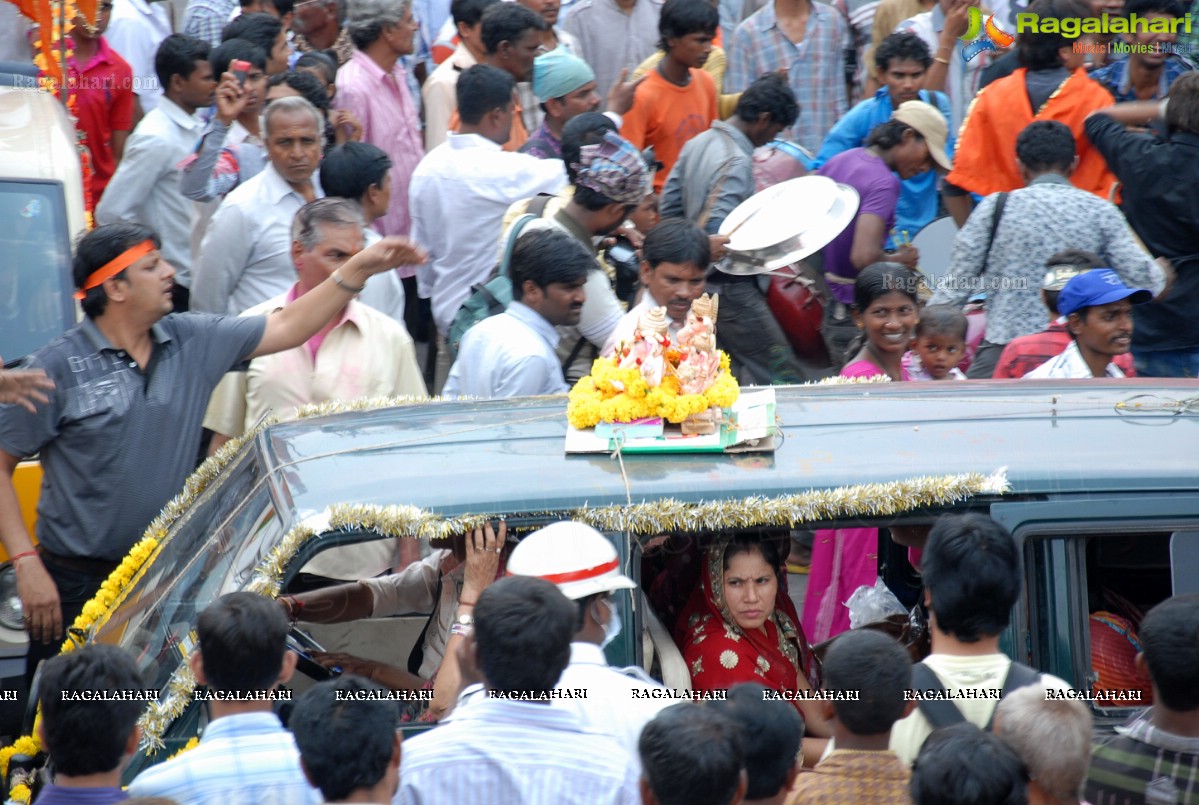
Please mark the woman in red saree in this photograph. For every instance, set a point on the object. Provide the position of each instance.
(741, 626)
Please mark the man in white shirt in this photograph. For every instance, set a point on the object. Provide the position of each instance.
(460, 190)
(586, 568)
(245, 258)
(513, 745)
(145, 188)
(360, 353)
(674, 265)
(512, 354)
(135, 31)
(1098, 311)
(972, 580)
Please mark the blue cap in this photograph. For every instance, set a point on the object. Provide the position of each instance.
(1099, 286)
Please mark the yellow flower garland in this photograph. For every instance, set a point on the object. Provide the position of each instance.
(612, 394)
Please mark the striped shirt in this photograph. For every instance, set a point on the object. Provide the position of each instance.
(1144, 764)
(241, 758)
(496, 752)
(815, 67)
(1115, 79)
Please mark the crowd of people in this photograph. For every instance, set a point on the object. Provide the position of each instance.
(299, 203)
(535, 714)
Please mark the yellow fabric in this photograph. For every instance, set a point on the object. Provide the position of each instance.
(714, 66)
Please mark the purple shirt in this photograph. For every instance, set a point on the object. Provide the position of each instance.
(58, 795)
(878, 190)
(391, 122)
(543, 144)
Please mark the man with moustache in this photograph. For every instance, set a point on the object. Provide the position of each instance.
(512, 354)
(1098, 311)
(674, 269)
(245, 258)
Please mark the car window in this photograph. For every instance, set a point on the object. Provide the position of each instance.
(36, 303)
(1087, 596)
(213, 552)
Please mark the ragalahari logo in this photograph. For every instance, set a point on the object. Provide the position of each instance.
(983, 37)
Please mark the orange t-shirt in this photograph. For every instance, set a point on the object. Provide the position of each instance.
(519, 136)
(666, 116)
(984, 159)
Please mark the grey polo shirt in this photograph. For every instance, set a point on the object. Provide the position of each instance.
(117, 443)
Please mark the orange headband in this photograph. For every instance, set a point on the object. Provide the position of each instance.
(115, 266)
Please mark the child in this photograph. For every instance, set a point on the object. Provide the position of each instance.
(939, 346)
(885, 308)
(862, 768)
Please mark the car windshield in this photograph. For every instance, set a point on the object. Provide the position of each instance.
(212, 551)
(36, 304)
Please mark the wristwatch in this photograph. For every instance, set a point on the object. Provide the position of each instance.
(463, 625)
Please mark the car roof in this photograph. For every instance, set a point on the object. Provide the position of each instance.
(502, 456)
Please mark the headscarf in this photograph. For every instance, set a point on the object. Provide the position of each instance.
(613, 168)
(720, 654)
(558, 73)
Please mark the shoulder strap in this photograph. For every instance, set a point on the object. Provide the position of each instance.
(538, 204)
(514, 231)
(938, 712)
(1000, 203)
(1018, 676)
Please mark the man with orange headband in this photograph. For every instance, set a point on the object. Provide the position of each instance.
(121, 430)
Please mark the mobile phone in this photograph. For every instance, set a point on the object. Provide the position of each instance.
(241, 69)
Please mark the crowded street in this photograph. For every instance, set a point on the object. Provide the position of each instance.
(546, 402)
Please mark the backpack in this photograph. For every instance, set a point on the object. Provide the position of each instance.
(943, 712)
(492, 297)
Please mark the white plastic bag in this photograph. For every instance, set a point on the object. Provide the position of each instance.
(871, 604)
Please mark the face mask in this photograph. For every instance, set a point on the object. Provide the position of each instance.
(613, 626)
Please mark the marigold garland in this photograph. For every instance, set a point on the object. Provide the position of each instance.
(612, 394)
(409, 521)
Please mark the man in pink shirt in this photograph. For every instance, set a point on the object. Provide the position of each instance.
(373, 86)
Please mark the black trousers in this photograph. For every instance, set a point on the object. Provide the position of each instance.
(75, 588)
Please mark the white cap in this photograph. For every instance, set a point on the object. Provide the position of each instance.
(577, 558)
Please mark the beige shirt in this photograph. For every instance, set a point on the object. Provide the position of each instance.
(366, 355)
(956, 674)
(439, 95)
(414, 589)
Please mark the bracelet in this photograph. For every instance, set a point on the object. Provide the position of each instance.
(940, 60)
(345, 286)
(465, 603)
(294, 607)
(462, 630)
(21, 555)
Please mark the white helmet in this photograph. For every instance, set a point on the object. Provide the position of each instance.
(577, 558)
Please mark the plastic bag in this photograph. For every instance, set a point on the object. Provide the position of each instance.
(872, 604)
